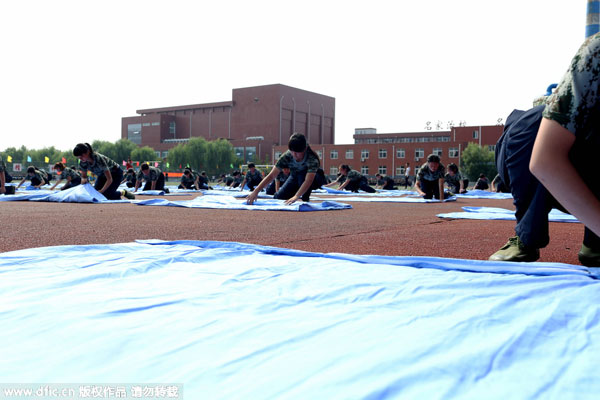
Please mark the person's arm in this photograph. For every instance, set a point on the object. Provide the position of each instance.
(462, 188)
(242, 185)
(153, 185)
(551, 165)
(109, 180)
(22, 181)
(56, 184)
(84, 176)
(441, 185)
(138, 181)
(334, 182)
(343, 185)
(2, 182)
(251, 198)
(310, 177)
(277, 184)
(418, 187)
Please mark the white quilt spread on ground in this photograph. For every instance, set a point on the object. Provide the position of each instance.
(233, 320)
(494, 213)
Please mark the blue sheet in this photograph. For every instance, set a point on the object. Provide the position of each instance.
(495, 213)
(484, 194)
(78, 194)
(381, 199)
(231, 320)
(232, 203)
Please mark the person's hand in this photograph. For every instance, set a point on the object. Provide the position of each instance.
(291, 200)
(462, 191)
(2, 190)
(251, 198)
(84, 181)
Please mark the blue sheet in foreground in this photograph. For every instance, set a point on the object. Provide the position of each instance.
(231, 320)
(78, 194)
(232, 203)
(495, 213)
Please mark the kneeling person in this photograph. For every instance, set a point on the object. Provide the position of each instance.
(303, 163)
(72, 177)
(154, 178)
(430, 180)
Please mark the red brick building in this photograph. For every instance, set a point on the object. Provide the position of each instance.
(388, 153)
(256, 119)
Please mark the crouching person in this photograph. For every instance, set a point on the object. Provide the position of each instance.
(304, 165)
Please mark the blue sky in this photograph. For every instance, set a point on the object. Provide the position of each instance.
(72, 69)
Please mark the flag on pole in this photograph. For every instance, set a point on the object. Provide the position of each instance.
(167, 165)
(9, 159)
(137, 163)
(230, 165)
(46, 159)
(64, 160)
(28, 159)
(155, 164)
(179, 166)
(124, 163)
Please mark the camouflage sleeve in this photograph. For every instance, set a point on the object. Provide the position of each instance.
(312, 163)
(284, 161)
(576, 97)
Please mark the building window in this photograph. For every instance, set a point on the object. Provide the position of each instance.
(349, 154)
(172, 127)
(475, 134)
(382, 153)
(146, 124)
(333, 170)
(419, 153)
(239, 152)
(277, 155)
(250, 154)
(158, 124)
(157, 154)
(134, 133)
(400, 153)
(333, 154)
(399, 171)
(492, 147)
(382, 170)
(364, 154)
(165, 154)
(364, 170)
(453, 152)
(438, 151)
(319, 153)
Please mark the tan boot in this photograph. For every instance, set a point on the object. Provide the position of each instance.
(515, 250)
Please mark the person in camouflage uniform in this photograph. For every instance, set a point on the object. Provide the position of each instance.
(4, 179)
(455, 181)
(304, 177)
(278, 181)
(352, 180)
(543, 149)
(154, 178)
(108, 173)
(385, 182)
(37, 177)
(72, 177)
(430, 179)
(189, 180)
(253, 177)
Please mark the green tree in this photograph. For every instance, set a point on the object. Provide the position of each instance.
(123, 150)
(178, 156)
(143, 154)
(477, 160)
(196, 150)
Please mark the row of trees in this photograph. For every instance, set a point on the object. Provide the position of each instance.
(214, 157)
(477, 160)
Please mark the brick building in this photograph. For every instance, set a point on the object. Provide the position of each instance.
(256, 119)
(388, 153)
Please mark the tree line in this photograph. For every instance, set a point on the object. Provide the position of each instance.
(215, 157)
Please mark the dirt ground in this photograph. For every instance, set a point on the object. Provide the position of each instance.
(402, 229)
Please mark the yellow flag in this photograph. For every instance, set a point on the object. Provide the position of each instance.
(9, 158)
(46, 159)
